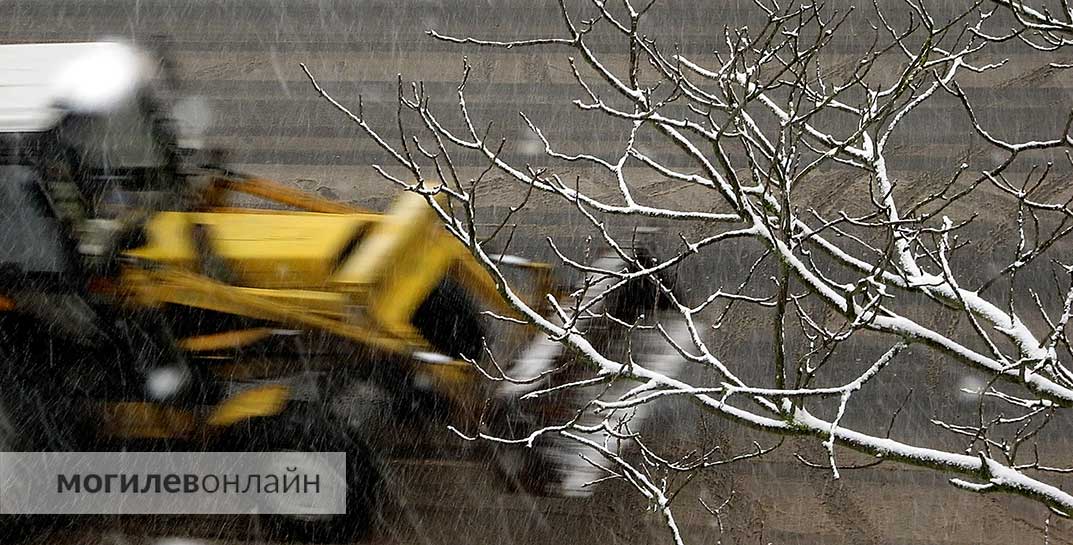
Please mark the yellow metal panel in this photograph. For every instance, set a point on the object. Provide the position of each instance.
(166, 285)
(319, 302)
(398, 263)
(260, 401)
(141, 420)
(408, 281)
(407, 222)
(224, 340)
(152, 290)
(280, 250)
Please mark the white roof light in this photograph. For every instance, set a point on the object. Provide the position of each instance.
(39, 81)
(100, 80)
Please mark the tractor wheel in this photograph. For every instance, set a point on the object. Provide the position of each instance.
(38, 410)
(34, 414)
(301, 429)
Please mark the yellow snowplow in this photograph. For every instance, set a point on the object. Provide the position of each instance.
(225, 323)
(395, 284)
(148, 301)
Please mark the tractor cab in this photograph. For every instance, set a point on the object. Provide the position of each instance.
(83, 143)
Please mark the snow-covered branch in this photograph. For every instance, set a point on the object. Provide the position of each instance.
(796, 160)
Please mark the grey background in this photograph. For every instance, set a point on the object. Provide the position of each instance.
(243, 56)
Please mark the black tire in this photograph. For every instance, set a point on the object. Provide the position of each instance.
(34, 414)
(302, 428)
(37, 407)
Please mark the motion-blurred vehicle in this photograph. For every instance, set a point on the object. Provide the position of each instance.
(140, 307)
(151, 300)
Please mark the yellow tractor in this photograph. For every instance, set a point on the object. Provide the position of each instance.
(152, 300)
(149, 303)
